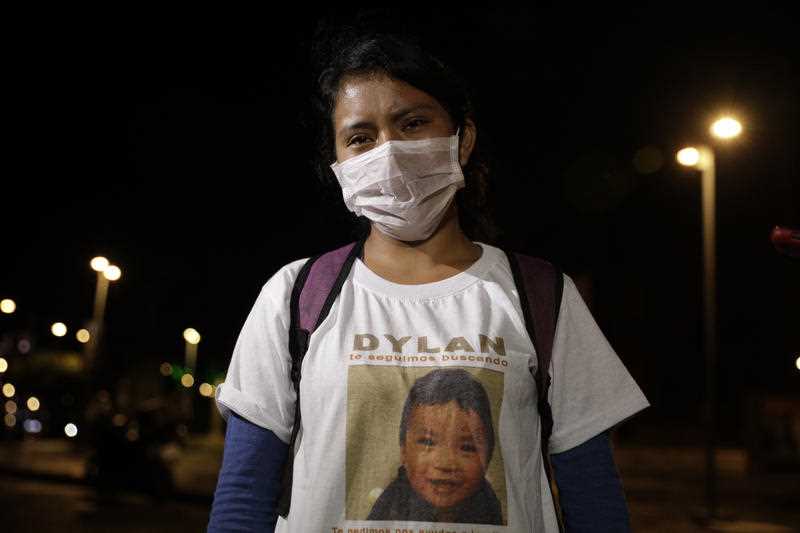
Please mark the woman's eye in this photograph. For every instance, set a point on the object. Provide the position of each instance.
(427, 442)
(354, 139)
(417, 122)
(411, 124)
(469, 448)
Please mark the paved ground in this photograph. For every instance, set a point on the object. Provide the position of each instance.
(44, 507)
(41, 490)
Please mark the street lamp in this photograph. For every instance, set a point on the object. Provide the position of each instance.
(702, 157)
(192, 338)
(105, 272)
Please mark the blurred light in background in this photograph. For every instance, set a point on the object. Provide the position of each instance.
(10, 420)
(7, 306)
(119, 420)
(32, 425)
(71, 430)
(688, 156)
(11, 407)
(33, 403)
(59, 329)
(191, 336)
(112, 273)
(797, 362)
(24, 346)
(206, 389)
(165, 369)
(3, 365)
(187, 380)
(9, 390)
(99, 263)
(726, 128)
(648, 160)
(83, 335)
(132, 434)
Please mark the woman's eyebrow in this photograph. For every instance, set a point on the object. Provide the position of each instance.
(394, 115)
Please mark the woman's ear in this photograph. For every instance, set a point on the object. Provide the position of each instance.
(466, 142)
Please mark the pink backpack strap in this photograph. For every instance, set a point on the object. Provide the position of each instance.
(315, 289)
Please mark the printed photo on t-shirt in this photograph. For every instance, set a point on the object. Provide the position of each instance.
(422, 444)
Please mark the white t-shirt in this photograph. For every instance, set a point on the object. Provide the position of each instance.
(442, 368)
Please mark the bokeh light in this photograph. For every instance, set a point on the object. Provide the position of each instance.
(191, 336)
(165, 369)
(59, 329)
(10, 420)
(32, 425)
(11, 407)
(647, 160)
(7, 305)
(688, 156)
(70, 430)
(206, 389)
(24, 346)
(3, 365)
(726, 128)
(797, 362)
(83, 335)
(33, 403)
(99, 263)
(112, 273)
(9, 390)
(187, 380)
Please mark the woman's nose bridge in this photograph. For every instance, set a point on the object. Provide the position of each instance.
(388, 133)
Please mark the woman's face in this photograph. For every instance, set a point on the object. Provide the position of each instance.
(445, 453)
(371, 110)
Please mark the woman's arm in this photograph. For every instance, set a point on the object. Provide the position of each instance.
(590, 490)
(249, 480)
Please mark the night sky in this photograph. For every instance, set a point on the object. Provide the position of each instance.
(172, 145)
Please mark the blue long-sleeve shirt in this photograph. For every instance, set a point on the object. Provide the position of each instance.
(590, 490)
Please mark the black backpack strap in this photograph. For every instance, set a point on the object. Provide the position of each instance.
(315, 289)
(540, 285)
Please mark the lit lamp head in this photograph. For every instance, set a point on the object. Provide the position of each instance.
(191, 336)
(726, 128)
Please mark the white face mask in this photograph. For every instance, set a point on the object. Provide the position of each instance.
(404, 187)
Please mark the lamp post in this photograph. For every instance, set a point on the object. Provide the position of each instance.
(192, 338)
(106, 272)
(702, 158)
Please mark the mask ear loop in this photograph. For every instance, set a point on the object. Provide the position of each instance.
(457, 147)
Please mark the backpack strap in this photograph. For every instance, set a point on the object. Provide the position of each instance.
(540, 285)
(315, 289)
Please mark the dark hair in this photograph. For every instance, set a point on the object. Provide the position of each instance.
(443, 385)
(347, 50)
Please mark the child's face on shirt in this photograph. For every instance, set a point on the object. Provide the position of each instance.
(445, 453)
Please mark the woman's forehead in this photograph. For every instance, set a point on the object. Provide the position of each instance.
(361, 96)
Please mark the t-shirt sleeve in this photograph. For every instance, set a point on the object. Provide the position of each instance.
(591, 390)
(258, 384)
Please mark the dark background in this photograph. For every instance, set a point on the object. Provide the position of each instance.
(172, 145)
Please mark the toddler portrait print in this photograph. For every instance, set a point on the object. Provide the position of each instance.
(446, 442)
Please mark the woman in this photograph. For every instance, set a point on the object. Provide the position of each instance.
(399, 140)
